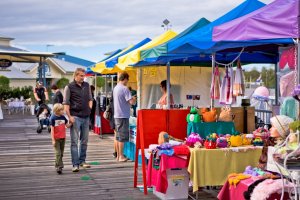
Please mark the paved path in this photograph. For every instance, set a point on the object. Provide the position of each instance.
(27, 171)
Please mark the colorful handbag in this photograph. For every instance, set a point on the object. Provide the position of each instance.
(209, 116)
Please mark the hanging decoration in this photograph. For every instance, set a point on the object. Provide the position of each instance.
(239, 86)
(215, 85)
(227, 87)
(287, 58)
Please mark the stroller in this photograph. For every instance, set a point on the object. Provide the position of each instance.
(43, 118)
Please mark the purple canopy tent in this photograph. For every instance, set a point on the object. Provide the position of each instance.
(279, 19)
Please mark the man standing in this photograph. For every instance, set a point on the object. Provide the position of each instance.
(78, 102)
(122, 102)
(40, 93)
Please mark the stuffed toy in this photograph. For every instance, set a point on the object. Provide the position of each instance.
(234, 179)
(194, 138)
(226, 114)
(211, 141)
(247, 139)
(222, 142)
(193, 116)
(258, 142)
(163, 137)
(261, 132)
(209, 116)
(236, 141)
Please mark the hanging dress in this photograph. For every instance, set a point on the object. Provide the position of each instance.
(226, 88)
(215, 84)
(239, 86)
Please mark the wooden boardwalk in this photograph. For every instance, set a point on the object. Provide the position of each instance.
(27, 171)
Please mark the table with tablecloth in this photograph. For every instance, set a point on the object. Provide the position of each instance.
(210, 167)
(206, 128)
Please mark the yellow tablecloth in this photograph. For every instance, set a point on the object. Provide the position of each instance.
(210, 167)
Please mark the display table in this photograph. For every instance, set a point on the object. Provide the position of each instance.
(206, 128)
(210, 167)
(237, 193)
(158, 178)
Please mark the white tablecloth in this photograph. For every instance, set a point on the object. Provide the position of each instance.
(16, 104)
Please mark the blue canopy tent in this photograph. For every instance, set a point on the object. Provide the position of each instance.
(110, 63)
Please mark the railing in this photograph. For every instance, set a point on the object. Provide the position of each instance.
(262, 118)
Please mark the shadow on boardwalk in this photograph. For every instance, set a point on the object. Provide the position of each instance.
(27, 171)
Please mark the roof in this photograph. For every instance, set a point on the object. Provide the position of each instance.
(25, 66)
(14, 73)
(74, 60)
(64, 65)
(278, 19)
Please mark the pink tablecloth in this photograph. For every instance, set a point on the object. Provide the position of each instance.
(158, 178)
(237, 193)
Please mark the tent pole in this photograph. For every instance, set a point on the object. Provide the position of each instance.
(112, 82)
(213, 69)
(276, 85)
(298, 61)
(95, 85)
(168, 85)
(139, 88)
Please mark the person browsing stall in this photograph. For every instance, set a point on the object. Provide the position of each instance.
(163, 100)
(78, 102)
(57, 97)
(122, 102)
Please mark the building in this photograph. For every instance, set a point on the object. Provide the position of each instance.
(25, 72)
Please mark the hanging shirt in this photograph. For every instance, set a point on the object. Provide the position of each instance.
(287, 84)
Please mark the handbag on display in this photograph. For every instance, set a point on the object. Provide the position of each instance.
(209, 116)
(226, 114)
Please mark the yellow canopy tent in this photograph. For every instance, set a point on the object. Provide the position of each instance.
(134, 56)
(101, 67)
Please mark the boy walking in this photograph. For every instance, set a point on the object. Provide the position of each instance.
(58, 124)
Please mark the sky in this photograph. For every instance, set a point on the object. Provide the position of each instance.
(90, 28)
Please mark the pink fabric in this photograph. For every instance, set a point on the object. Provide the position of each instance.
(215, 84)
(227, 88)
(237, 193)
(158, 178)
(287, 84)
(287, 57)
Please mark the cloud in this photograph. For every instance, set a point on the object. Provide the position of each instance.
(101, 22)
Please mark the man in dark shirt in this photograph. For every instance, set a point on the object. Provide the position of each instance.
(57, 97)
(78, 103)
(40, 93)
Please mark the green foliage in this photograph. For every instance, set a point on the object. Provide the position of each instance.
(267, 75)
(100, 82)
(7, 92)
(4, 81)
(61, 83)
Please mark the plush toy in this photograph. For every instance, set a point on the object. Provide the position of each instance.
(258, 142)
(222, 142)
(209, 116)
(247, 139)
(194, 138)
(254, 171)
(234, 179)
(163, 137)
(193, 116)
(211, 141)
(261, 132)
(225, 115)
(236, 141)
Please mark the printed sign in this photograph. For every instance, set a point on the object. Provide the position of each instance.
(4, 63)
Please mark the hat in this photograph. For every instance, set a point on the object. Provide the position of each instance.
(281, 123)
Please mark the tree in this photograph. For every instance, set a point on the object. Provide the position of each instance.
(61, 83)
(100, 82)
(4, 82)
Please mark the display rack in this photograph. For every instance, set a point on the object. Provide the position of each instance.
(285, 168)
